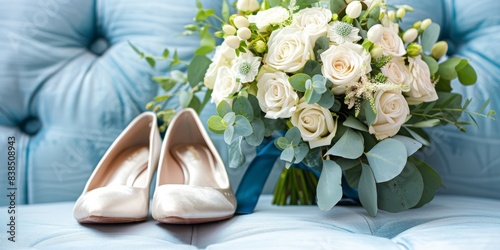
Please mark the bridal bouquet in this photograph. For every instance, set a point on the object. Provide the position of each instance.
(339, 85)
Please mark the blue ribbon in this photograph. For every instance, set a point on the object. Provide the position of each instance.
(258, 171)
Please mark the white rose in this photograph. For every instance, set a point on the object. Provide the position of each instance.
(392, 110)
(276, 96)
(273, 16)
(225, 85)
(313, 22)
(223, 56)
(344, 64)
(421, 87)
(316, 124)
(289, 49)
(391, 43)
(397, 72)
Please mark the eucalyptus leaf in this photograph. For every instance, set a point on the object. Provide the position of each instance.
(313, 158)
(349, 146)
(242, 126)
(257, 112)
(410, 144)
(387, 159)
(403, 192)
(298, 81)
(430, 36)
(216, 125)
(287, 154)
(346, 164)
(293, 136)
(352, 175)
(432, 63)
(432, 181)
(467, 76)
(236, 156)
(337, 5)
(195, 104)
(223, 108)
(367, 190)
(229, 118)
(417, 137)
(301, 152)
(256, 138)
(368, 112)
(282, 143)
(229, 134)
(312, 68)
(197, 69)
(329, 189)
(327, 100)
(354, 123)
(242, 106)
(185, 98)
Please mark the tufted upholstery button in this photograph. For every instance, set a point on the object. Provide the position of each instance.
(99, 46)
(30, 125)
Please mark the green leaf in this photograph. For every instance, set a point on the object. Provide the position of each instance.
(298, 81)
(368, 112)
(352, 122)
(346, 164)
(403, 192)
(161, 98)
(322, 44)
(287, 154)
(230, 118)
(185, 98)
(242, 106)
(447, 69)
(216, 125)
(430, 36)
(311, 96)
(195, 104)
(225, 10)
(229, 135)
(282, 143)
(165, 53)
(166, 83)
(236, 156)
(432, 181)
(203, 50)
(257, 112)
(223, 108)
(197, 69)
(136, 49)
(417, 137)
(352, 175)
(301, 152)
(312, 68)
(242, 126)
(313, 158)
(432, 63)
(151, 61)
(367, 190)
(387, 159)
(467, 76)
(410, 144)
(256, 138)
(329, 189)
(349, 146)
(293, 136)
(327, 100)
(274, 3)
(337, 5)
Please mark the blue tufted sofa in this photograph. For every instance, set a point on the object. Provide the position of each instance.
(69, 83)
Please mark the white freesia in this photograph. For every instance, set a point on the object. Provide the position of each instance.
(316, 124)
(341, 32)
(247, 5)
(344, 64)
(421, 87)
(273, 16)
(391, 43)
(246, 67)
(397, 72)
(312, 21)
(353, 9)
(225, 85)
(289, 49)
(223, 56)
(392, 110)
(276, 96)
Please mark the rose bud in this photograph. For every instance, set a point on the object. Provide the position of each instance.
(233, 42)
(260, 46)
(414, 49)
(391, 15)
(376, 51)
(241, 21)
(244, 33)
(375, 33)
(401, 13)
(353, 10)
(247, 5)
(439, 50)
(410, 35)
(229, 29)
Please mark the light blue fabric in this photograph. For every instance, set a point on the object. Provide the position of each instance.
(448, 222)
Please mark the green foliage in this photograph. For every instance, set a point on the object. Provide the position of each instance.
(432, 181)
(329, 189)
(367, 190)
(197, 69)
(387, 159)
(349, 146)
(430, 36)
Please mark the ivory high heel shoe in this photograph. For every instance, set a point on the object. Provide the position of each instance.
(118, 189)
(192, 184)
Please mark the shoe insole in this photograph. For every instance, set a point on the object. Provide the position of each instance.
(128, 168)
(198, 165)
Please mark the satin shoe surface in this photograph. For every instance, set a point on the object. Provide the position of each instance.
(192, 183)
(118, 189)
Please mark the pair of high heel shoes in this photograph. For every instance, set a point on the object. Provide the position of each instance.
(192, 185)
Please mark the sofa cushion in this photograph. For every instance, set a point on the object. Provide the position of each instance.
(448, 222)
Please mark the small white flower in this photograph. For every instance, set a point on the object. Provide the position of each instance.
(410, 35)
(247, 5)
(375, 33)
(225, 85)
(229, 29)
(353, 9)
(232, 41)
(341, 32)
(246, 67)
(273, 16)
(244, 33)
(241, 21)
